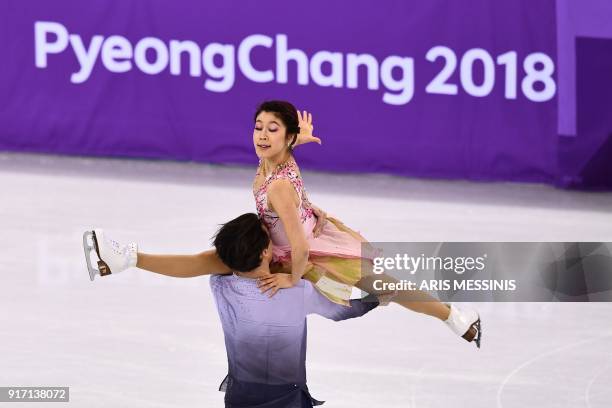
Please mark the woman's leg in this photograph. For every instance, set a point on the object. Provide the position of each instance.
(464, 325)
(415, 300)
(183, 266)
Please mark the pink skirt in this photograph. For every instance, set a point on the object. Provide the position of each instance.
(338, 258)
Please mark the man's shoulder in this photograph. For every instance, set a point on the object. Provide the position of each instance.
(230, 280)
(218, 278)
(218, 281)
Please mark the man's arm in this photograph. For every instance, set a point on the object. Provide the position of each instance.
(315, 302)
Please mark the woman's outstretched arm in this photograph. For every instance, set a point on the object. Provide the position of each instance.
(183, 266)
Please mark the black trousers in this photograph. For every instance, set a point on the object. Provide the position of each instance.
(241, 394)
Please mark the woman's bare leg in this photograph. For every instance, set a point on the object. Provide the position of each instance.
(183, 266)
(415, 300)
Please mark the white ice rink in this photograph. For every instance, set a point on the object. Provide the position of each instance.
(143, 340)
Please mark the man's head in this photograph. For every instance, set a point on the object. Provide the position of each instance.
(243, 243)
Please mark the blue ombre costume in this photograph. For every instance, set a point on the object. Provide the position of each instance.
(265, 340)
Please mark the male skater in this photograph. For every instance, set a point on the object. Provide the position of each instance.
(265, 336)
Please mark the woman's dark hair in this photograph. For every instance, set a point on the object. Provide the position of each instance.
(241, 241)
(286, 112)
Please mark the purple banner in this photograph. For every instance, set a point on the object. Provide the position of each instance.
(428, 89)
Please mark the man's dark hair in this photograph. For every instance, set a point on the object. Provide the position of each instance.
(241, 241)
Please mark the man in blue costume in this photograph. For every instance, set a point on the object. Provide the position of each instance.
(265, 336)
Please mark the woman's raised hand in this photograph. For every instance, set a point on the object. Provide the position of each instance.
(305, 135)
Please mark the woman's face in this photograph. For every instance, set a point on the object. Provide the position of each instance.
(269, 135)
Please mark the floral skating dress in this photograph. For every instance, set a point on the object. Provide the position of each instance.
(336, 256)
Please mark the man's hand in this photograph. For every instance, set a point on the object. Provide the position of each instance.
(274, 282)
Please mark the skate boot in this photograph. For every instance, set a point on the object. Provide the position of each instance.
(465, 323)
(113, 257)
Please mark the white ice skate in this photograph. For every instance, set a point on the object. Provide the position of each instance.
(465, 323)
(113, 257)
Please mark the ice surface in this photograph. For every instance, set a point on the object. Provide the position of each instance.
(143, 340)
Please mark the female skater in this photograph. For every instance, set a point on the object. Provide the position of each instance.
(321, 249)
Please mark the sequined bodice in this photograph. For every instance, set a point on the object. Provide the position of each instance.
(287, 170)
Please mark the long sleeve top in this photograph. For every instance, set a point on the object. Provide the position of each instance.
(265, 337)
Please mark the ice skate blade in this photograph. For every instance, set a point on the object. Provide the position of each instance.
(90, 244)
(474, 333)
(88, 247)
(479, 335)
